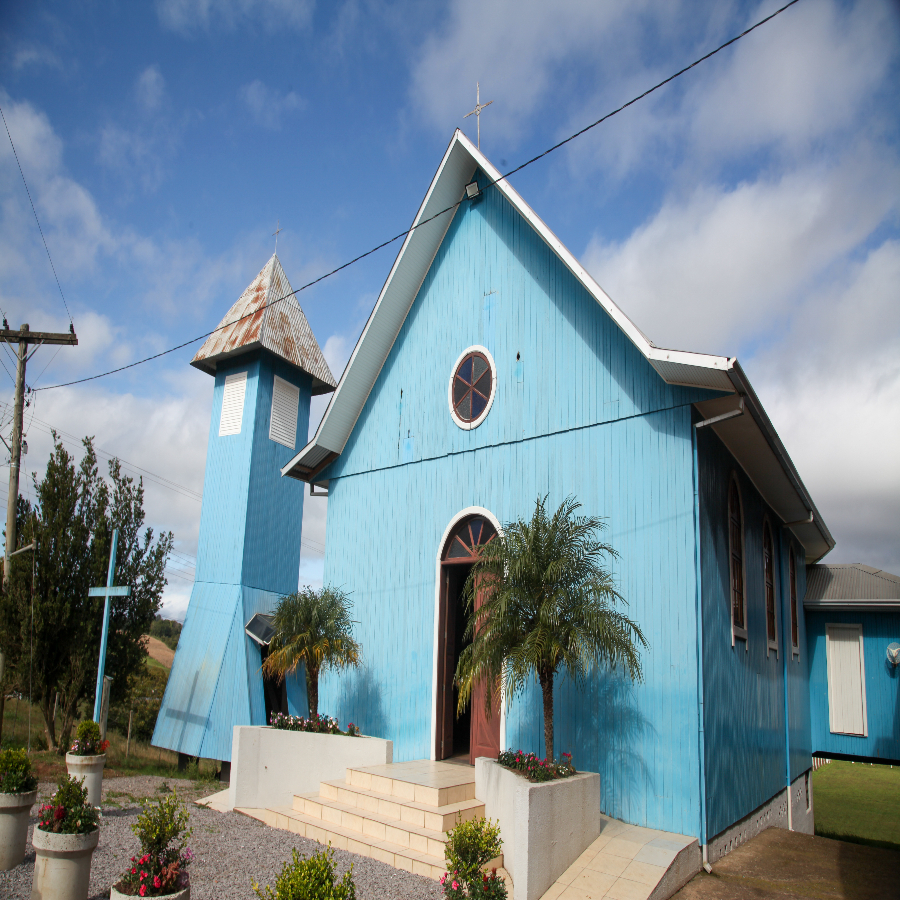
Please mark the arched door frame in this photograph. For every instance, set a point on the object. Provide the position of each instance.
(462, 514)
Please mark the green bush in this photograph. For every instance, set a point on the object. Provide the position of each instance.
(166, 630)
(310, 879)
(471, 846)
(15, 772)
(87, 740)
(68, 811)
(160, 823)
(144, 698)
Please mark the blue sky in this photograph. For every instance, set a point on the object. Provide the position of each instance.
(748, 209)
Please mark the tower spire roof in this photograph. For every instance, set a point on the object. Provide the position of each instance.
(267, 316)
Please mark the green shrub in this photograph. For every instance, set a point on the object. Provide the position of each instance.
(144, 698)
(68, 811)
(87, 740)
(310, 879)
(15, 772)
(471, 846)
(160, 823)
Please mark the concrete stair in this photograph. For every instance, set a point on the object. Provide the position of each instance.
(398, 813)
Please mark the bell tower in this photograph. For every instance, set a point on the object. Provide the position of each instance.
(267, 365)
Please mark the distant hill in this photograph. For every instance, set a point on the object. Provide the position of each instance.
(158, 651)
(166, 630)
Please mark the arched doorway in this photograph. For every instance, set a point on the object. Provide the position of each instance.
(472, 733)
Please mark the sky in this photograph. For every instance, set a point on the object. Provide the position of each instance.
(751, 208)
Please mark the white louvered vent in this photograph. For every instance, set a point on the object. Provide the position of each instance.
(846, 679)
(285, 403)
(233, 404)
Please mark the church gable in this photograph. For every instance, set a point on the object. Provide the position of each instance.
(560, 362)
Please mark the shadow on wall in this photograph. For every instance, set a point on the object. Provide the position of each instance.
(601, 719)
(359, 701)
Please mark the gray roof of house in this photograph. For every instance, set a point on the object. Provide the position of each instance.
(852, 586)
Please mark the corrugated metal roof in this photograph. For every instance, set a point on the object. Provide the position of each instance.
(853, 581)
(267, 315)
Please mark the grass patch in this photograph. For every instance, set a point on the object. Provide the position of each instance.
(152, 663)
(858, 802)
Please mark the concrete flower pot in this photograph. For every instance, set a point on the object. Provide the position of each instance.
(15, 812)
(88, 769)
(62, 868)
(183, 894)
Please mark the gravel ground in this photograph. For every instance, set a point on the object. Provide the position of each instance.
(232, 851)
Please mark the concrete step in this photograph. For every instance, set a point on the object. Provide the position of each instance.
(417, 782)
(343, 838)
(435, 817)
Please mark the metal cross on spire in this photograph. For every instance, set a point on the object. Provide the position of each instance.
(276, 233)
(479, 106)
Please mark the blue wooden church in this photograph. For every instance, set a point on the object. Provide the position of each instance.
(266, 364)
(494, 370)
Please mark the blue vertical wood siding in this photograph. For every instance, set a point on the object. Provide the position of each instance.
(580, 412)
(248, 556)
(882, 686)
(744, 684)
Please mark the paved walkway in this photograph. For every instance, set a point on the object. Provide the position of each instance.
(625, 863)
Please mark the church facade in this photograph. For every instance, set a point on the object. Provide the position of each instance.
(494, 370)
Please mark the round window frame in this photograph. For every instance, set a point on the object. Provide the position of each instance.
(462, 423)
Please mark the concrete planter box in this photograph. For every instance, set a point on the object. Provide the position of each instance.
(270, 765)
(88, 769)
(183, 894)
(15, 813)
(545, 827)
(62, 868)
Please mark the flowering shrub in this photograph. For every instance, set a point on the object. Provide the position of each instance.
(15, 772)
(87, 740)
(536, 769)
(315, 724)
(470, 846)
(68, 811)
(161, 868)
(310, 879)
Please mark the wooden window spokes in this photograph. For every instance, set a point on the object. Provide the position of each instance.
(472, 385)
(736, 540)
(467, 539)
(795, 624)
(769, 578)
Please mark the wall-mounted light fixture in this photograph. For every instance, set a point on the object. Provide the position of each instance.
(472, 190)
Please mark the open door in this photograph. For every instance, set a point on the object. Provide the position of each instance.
(485, 732)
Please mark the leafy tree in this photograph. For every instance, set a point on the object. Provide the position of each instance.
(166, 630)
(313, 628)
(547, 602)
(73, 519)
(145, 692)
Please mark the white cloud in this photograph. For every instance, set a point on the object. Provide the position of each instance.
(188, 16)
(150, 88)
(34, 55)
(266, 105)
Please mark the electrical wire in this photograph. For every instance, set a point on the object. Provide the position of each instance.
(36, 219)
(450, 208)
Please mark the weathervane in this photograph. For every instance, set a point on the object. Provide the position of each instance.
(479, 106)
(276, 232)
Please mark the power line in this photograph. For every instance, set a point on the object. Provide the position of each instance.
(450, 208)
(36, 219)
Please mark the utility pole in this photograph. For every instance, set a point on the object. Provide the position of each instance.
(23, 337)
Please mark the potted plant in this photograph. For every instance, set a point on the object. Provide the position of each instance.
(160, 869)
(470, 847)
(64, 841)
(18, 791)
(86, 759)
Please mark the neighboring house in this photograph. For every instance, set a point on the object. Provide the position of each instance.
(494, 370)
(852, 618)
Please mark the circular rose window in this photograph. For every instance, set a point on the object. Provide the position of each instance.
(472, 387)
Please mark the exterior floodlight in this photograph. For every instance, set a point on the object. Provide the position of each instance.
(893, 654)
(472, 190)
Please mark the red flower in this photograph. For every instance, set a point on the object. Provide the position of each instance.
(143, 890)
(156, 882)
(60, 813)
(133, 871)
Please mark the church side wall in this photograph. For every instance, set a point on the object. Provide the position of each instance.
(384, 532)
(744, 682)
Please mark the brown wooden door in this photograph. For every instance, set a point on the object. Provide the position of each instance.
(446, 712)
(484, 738)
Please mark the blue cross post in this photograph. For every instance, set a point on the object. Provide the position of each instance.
(107, 592)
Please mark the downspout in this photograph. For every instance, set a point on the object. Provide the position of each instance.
(787, 706)
(699, 607)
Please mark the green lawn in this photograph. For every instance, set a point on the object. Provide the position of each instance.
(858, 802)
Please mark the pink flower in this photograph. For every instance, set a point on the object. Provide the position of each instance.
(455, 885)
(156, 882)
(143, 890)
(443, 877)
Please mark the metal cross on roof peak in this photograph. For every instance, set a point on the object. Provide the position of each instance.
(479, 106)
(276, 233)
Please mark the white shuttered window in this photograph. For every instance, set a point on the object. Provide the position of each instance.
(846, 679)
(233, 404)
(285, 403)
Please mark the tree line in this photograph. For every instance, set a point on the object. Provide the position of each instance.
(49, 627)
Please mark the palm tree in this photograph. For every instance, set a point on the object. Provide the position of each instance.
(313, 628)
(547, 602)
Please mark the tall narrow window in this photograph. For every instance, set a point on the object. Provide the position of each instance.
(736, 551)
(795, 623)
(769, 579)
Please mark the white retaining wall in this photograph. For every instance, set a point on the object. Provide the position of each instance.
(545, 827)
(270, 765)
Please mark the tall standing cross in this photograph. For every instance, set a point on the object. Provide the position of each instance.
(276, 233)
(479, 106)
(107, 592)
